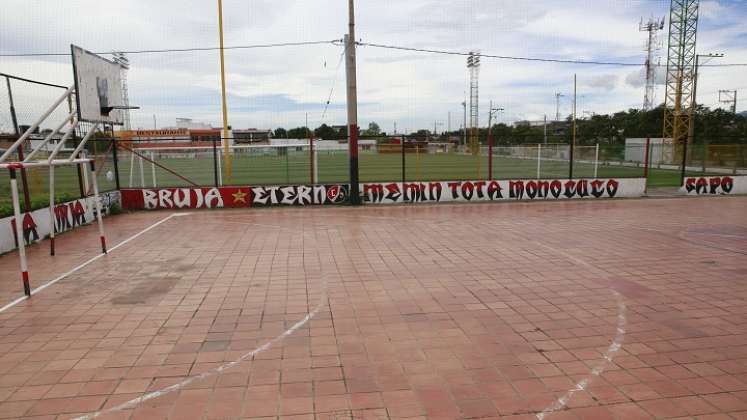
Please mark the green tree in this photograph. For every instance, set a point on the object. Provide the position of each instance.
(280, 133)
(326, 132)
(298, 133)
(373, 130)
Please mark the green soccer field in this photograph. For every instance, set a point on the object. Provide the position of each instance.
(294, 168)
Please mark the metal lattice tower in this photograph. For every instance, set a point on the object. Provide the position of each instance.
(121, 58)
(683, 30)
(728, 97)
(652, 47)
(473, 64)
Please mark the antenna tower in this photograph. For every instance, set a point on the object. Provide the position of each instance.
(652, 47)
(473, 64)
(121, 58)
(728, 97)
(678, 101)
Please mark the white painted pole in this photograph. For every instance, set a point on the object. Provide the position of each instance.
(36, 124)
(19, 232)
(142, 172)
(51, 210)
(132, 166)
(316, 166)
(44, 144)
(220, 170)
(97, 206)
(596, 161)
(83, 141)
(153, 168)
(86, 185)
(539, 160)
(63, 140)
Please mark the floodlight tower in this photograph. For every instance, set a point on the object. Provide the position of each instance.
(652, 47)
(122, 60)
(557, 105)
(681, 56)
(473, 64)
(728, 97)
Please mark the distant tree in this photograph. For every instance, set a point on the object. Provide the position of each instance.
(326, 132)
(280, 133)
(373, 130)
(421, 134)
(298, 133)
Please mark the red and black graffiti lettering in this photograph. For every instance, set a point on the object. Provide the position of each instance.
(713, 185)
(30, 233)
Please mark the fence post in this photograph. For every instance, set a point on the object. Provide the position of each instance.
(132, 168)
(215, 163)
(311, 161)
(539, 160)
(404, 163)
(14, 120)
(705, 154)
(570, 162)
(287, 169)
(596, 161)
(142, 173)
(646, 163)
(684, 163)
(153, 168)
(220, 169)
(115, 160)
(490, 152)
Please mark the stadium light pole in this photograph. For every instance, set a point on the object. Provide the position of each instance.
(464, 132)
(352, 99)
(226, 150)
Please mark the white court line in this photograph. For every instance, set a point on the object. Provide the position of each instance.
(169, 389)
(215, 371)
(51, 282)
(617, 342)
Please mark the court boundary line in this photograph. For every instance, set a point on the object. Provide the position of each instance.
(608, 356)
(86, 263)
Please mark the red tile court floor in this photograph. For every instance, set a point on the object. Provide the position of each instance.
(567, 310)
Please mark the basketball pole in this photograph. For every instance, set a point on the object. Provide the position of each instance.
(226, 149)
(20, 237)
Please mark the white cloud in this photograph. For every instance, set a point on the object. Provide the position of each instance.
(413, 89)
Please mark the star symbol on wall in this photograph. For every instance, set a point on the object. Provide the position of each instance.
(239, 196)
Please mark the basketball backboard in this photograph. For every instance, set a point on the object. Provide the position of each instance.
(98, 87)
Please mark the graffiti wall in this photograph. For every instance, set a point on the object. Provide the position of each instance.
(186, 198)
(67, 216)
(467, 191)
(715, 185)
(300, 195)
(226, 197)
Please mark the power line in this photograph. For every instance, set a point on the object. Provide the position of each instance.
(338, 42)
(166, 50)
(23, 79)
(536, 59)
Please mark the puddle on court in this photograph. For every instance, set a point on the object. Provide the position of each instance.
(145, 290)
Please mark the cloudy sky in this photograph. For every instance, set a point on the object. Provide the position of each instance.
(276, 87)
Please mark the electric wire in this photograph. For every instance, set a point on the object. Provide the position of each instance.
(534, 59)
(167, 50)
(334, 82)
(376, 45)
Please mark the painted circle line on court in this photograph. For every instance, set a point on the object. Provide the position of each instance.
(612, 350)
(218, 370)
